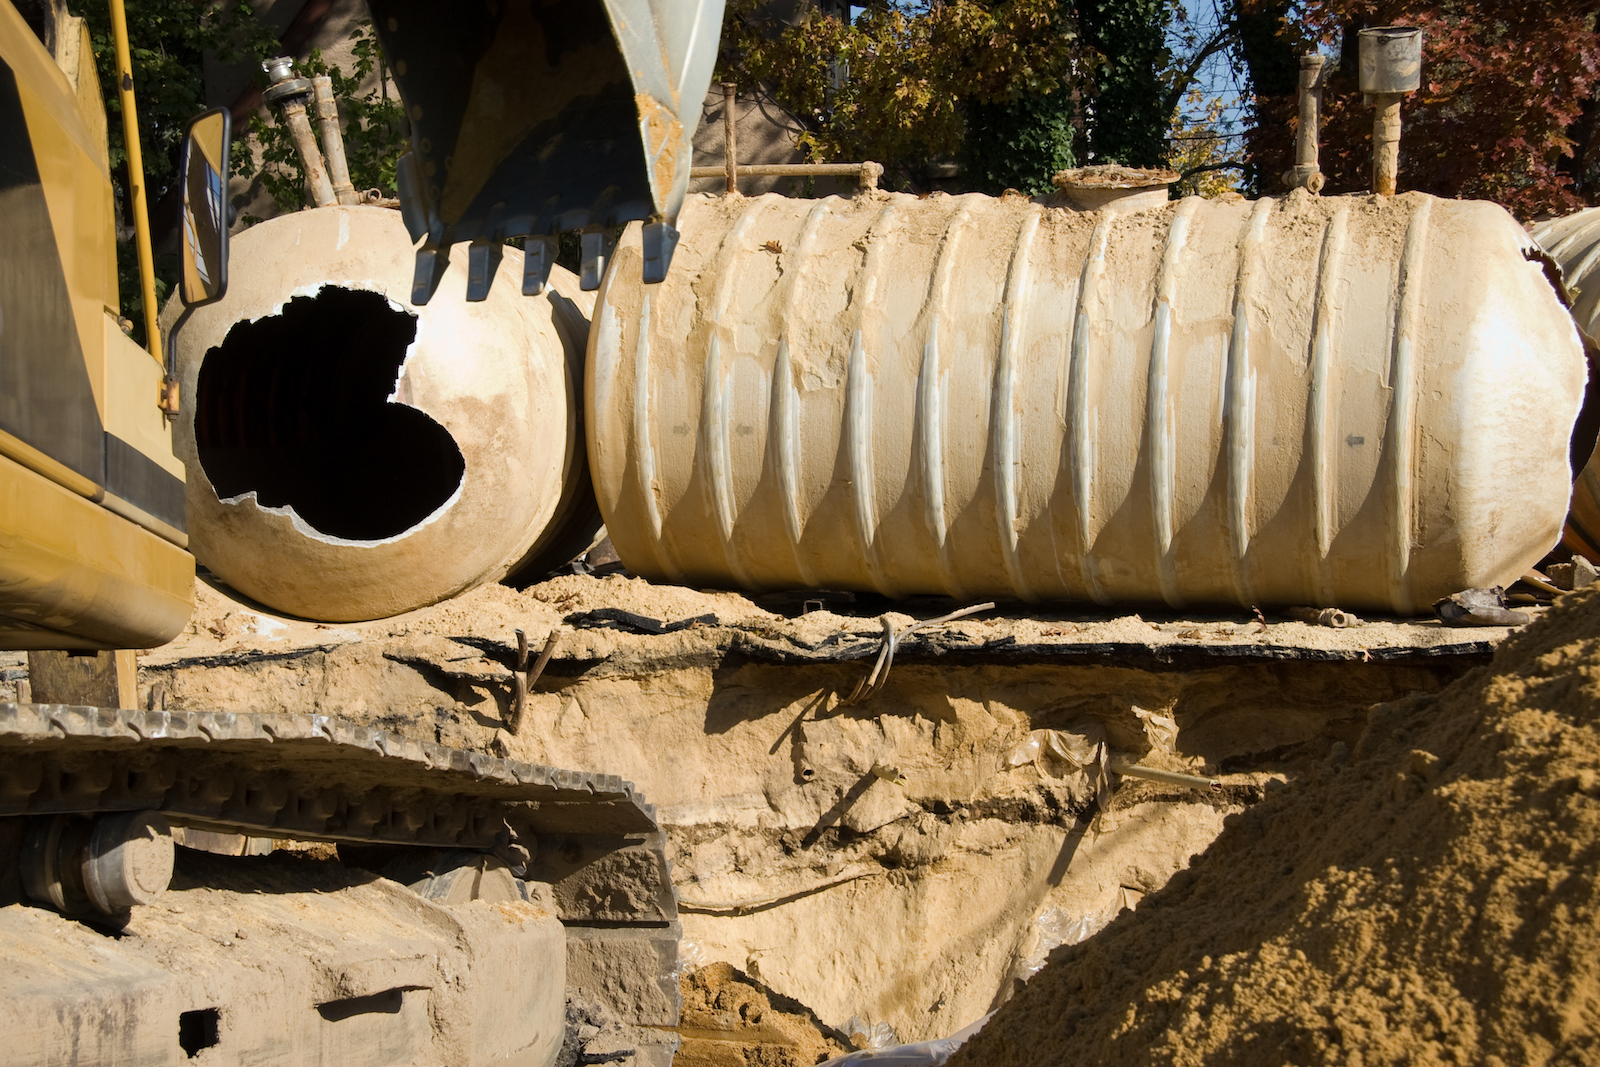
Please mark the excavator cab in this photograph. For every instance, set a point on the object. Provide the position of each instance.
(534, 117)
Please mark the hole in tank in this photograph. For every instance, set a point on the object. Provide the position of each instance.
(295, 407)
(198, 1030)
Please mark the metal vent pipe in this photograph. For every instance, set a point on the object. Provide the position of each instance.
(1306, 172)
(1391, 67)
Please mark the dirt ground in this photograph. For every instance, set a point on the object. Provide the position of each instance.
(900, 866)
(731, 1020)
(905, 862)
(1429, 896)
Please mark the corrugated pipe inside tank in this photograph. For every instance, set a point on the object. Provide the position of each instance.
(1364, 402)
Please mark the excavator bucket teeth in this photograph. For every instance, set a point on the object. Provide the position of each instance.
(531, 117)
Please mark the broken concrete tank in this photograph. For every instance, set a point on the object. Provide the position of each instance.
(1574, 243)
(1351, 401)
(351, 455)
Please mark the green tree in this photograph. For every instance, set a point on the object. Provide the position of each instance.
(167, 43)
(1018, 144)
(1133, 99)
(1268, 39)
(898, 84)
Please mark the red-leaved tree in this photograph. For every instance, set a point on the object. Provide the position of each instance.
(1501, 114)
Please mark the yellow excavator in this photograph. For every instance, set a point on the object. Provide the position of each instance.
(92, 548)
(529, 118)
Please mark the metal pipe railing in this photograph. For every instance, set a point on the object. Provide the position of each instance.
(866, 173)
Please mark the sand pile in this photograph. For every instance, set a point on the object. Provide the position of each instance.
(1430, 897)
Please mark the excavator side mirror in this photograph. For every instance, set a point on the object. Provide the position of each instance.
(204, 173)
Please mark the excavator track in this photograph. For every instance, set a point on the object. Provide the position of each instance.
(589, 837)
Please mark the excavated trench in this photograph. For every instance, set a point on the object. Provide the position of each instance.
(899, 865)
(298, 409)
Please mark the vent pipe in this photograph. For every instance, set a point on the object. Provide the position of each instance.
(1306, 173)
(1391, 67)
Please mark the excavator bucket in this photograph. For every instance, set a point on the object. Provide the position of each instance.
(531, 117)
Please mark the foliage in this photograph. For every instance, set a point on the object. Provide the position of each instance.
(167, 43)
(1262, 42)
(1015, 89)
(1201, 149)
(1018, 144)
(1505, 84)
(375, 133)
(167, 40)
(1270, 41)
(894, 84)
(1132, 102)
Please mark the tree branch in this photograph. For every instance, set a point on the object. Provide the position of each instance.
(1219, 40)
(1202, 168)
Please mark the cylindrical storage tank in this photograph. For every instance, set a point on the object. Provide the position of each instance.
(1573, 242)
(1351, 401)
(352, 455)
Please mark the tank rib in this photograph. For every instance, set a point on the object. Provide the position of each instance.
(731, 249)
(1575, 230)
(930, 447)
(930, 396)
(858, 440)
(718, 473)
(783, 447)
(1400, 447)
(1003, 410)
(1081, 411)
(1238, 413)
(783, 434)
(1324, 458)
(644, 448)
(859, 436)
(1590, 258)
(711, 441)
(1163, 444)
(715, 470)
